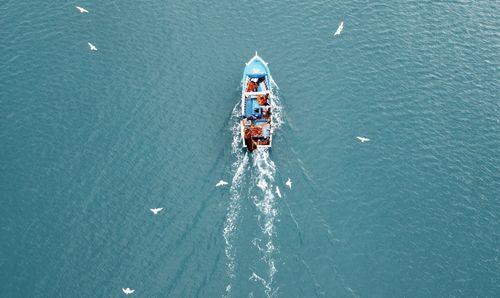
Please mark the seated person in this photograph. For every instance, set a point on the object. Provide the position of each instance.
(262, 100)
(256, 131)
(252, 86)
(267, 112)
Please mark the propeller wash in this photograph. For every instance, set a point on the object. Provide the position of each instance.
(253, 176)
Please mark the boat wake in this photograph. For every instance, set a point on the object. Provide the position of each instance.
(257, 172)
(233, 210)
(265, 203)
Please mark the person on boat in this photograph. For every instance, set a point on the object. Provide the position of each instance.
(252, 86)
(250, 118)
(255, 130)
(248, 133)
(266, 112)
(262, 100)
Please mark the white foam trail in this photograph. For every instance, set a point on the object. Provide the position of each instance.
(274, 85)
(264, 172)
(266, 285)
(233, 210)
(235, 129)
(277, 113)
(264, 179)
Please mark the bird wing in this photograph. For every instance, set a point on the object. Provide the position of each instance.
(339, 29)
(278, 192)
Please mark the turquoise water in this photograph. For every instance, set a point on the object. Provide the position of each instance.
(90, 141)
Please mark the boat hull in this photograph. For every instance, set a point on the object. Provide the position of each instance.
(256, 105)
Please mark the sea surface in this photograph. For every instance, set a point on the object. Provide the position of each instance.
(91, 140)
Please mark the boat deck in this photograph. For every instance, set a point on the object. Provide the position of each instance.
(256, 123)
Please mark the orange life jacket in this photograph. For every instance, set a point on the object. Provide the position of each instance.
(256, 131)
(251, 86)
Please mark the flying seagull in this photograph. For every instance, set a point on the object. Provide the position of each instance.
(82, 10)
(289, 183)
(92, 47)
(156, 210)
(339, 29)
(221, 183)
(363, 139)
(278, 192)
(128, 291)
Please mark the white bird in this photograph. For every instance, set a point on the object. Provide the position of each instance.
(363, 139)
(221, 183)
(156, 210)
(278, 192)
(289, 183)
(339, 29)
(82, 10)
(128, 291)
(92, 47)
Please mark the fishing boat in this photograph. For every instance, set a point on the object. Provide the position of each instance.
(256, 96)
